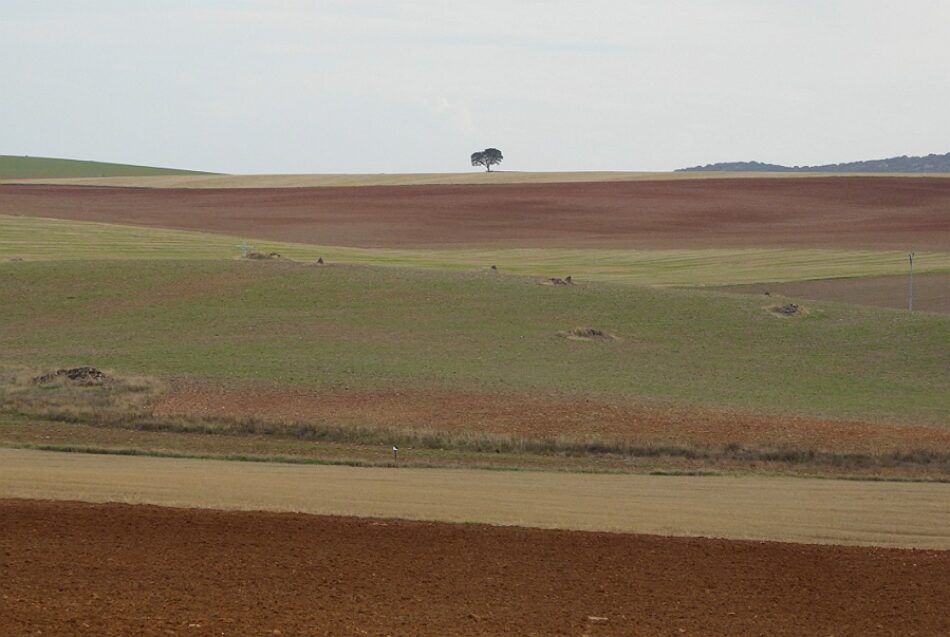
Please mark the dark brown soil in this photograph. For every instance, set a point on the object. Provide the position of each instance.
(852, 212)
(85, 569)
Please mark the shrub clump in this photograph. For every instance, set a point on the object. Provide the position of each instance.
(586, 334)
(78, 375)
(260, 256)
(788, 310)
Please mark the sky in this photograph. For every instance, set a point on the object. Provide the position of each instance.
(390, 86)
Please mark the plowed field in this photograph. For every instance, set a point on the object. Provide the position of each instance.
(84, 569)
(527, 415)
(853, 212)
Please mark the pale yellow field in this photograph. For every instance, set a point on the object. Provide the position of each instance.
(419, 179)
(913, 515)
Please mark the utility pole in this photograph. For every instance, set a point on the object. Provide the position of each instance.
(910, 284)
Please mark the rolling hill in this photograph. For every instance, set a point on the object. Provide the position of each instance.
(24, 167)
(903, 164)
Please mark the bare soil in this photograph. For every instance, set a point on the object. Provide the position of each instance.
(827, 212)
(541, 415)
(931, 291)
(109, 569)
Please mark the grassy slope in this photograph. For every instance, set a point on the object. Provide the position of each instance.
(16, 167)
(931, 291)
(43, 239)
(372, 327)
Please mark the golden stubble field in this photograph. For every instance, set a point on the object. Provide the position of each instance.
(894, 514)
(415, 179)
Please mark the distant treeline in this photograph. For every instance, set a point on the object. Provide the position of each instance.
(903, 164)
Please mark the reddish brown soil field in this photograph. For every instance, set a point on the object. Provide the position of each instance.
(84, 569)
(931, 291)
(531, 415)
(865, 212)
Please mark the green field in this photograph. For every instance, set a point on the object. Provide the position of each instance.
(370, 327)
(22, 167)
(50, 239)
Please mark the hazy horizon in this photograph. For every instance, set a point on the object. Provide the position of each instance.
(414, 86)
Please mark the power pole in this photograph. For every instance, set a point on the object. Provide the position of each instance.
(910, 284)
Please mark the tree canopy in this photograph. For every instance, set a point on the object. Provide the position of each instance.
(487, 158)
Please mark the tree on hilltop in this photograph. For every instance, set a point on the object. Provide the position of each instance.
(487, 158)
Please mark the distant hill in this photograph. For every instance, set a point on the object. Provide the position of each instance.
(903, 164)
(21, 167)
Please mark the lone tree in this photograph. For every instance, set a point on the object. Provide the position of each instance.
(487, 158)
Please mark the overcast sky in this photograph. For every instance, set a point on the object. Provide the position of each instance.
(415, 85)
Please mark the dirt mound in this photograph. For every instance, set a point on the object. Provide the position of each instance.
(260, 256)
(788, 310)
(587, 334)
(930, 291)
(78, 375)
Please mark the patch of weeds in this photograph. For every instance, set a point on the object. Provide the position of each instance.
(587, 334)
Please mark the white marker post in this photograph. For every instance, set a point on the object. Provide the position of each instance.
(244, 248)
(910, 285)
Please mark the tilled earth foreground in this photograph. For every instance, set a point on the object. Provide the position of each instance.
(73, 569)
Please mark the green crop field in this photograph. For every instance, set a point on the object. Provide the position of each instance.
(50, 239)
(371, 327)
(20, 167)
